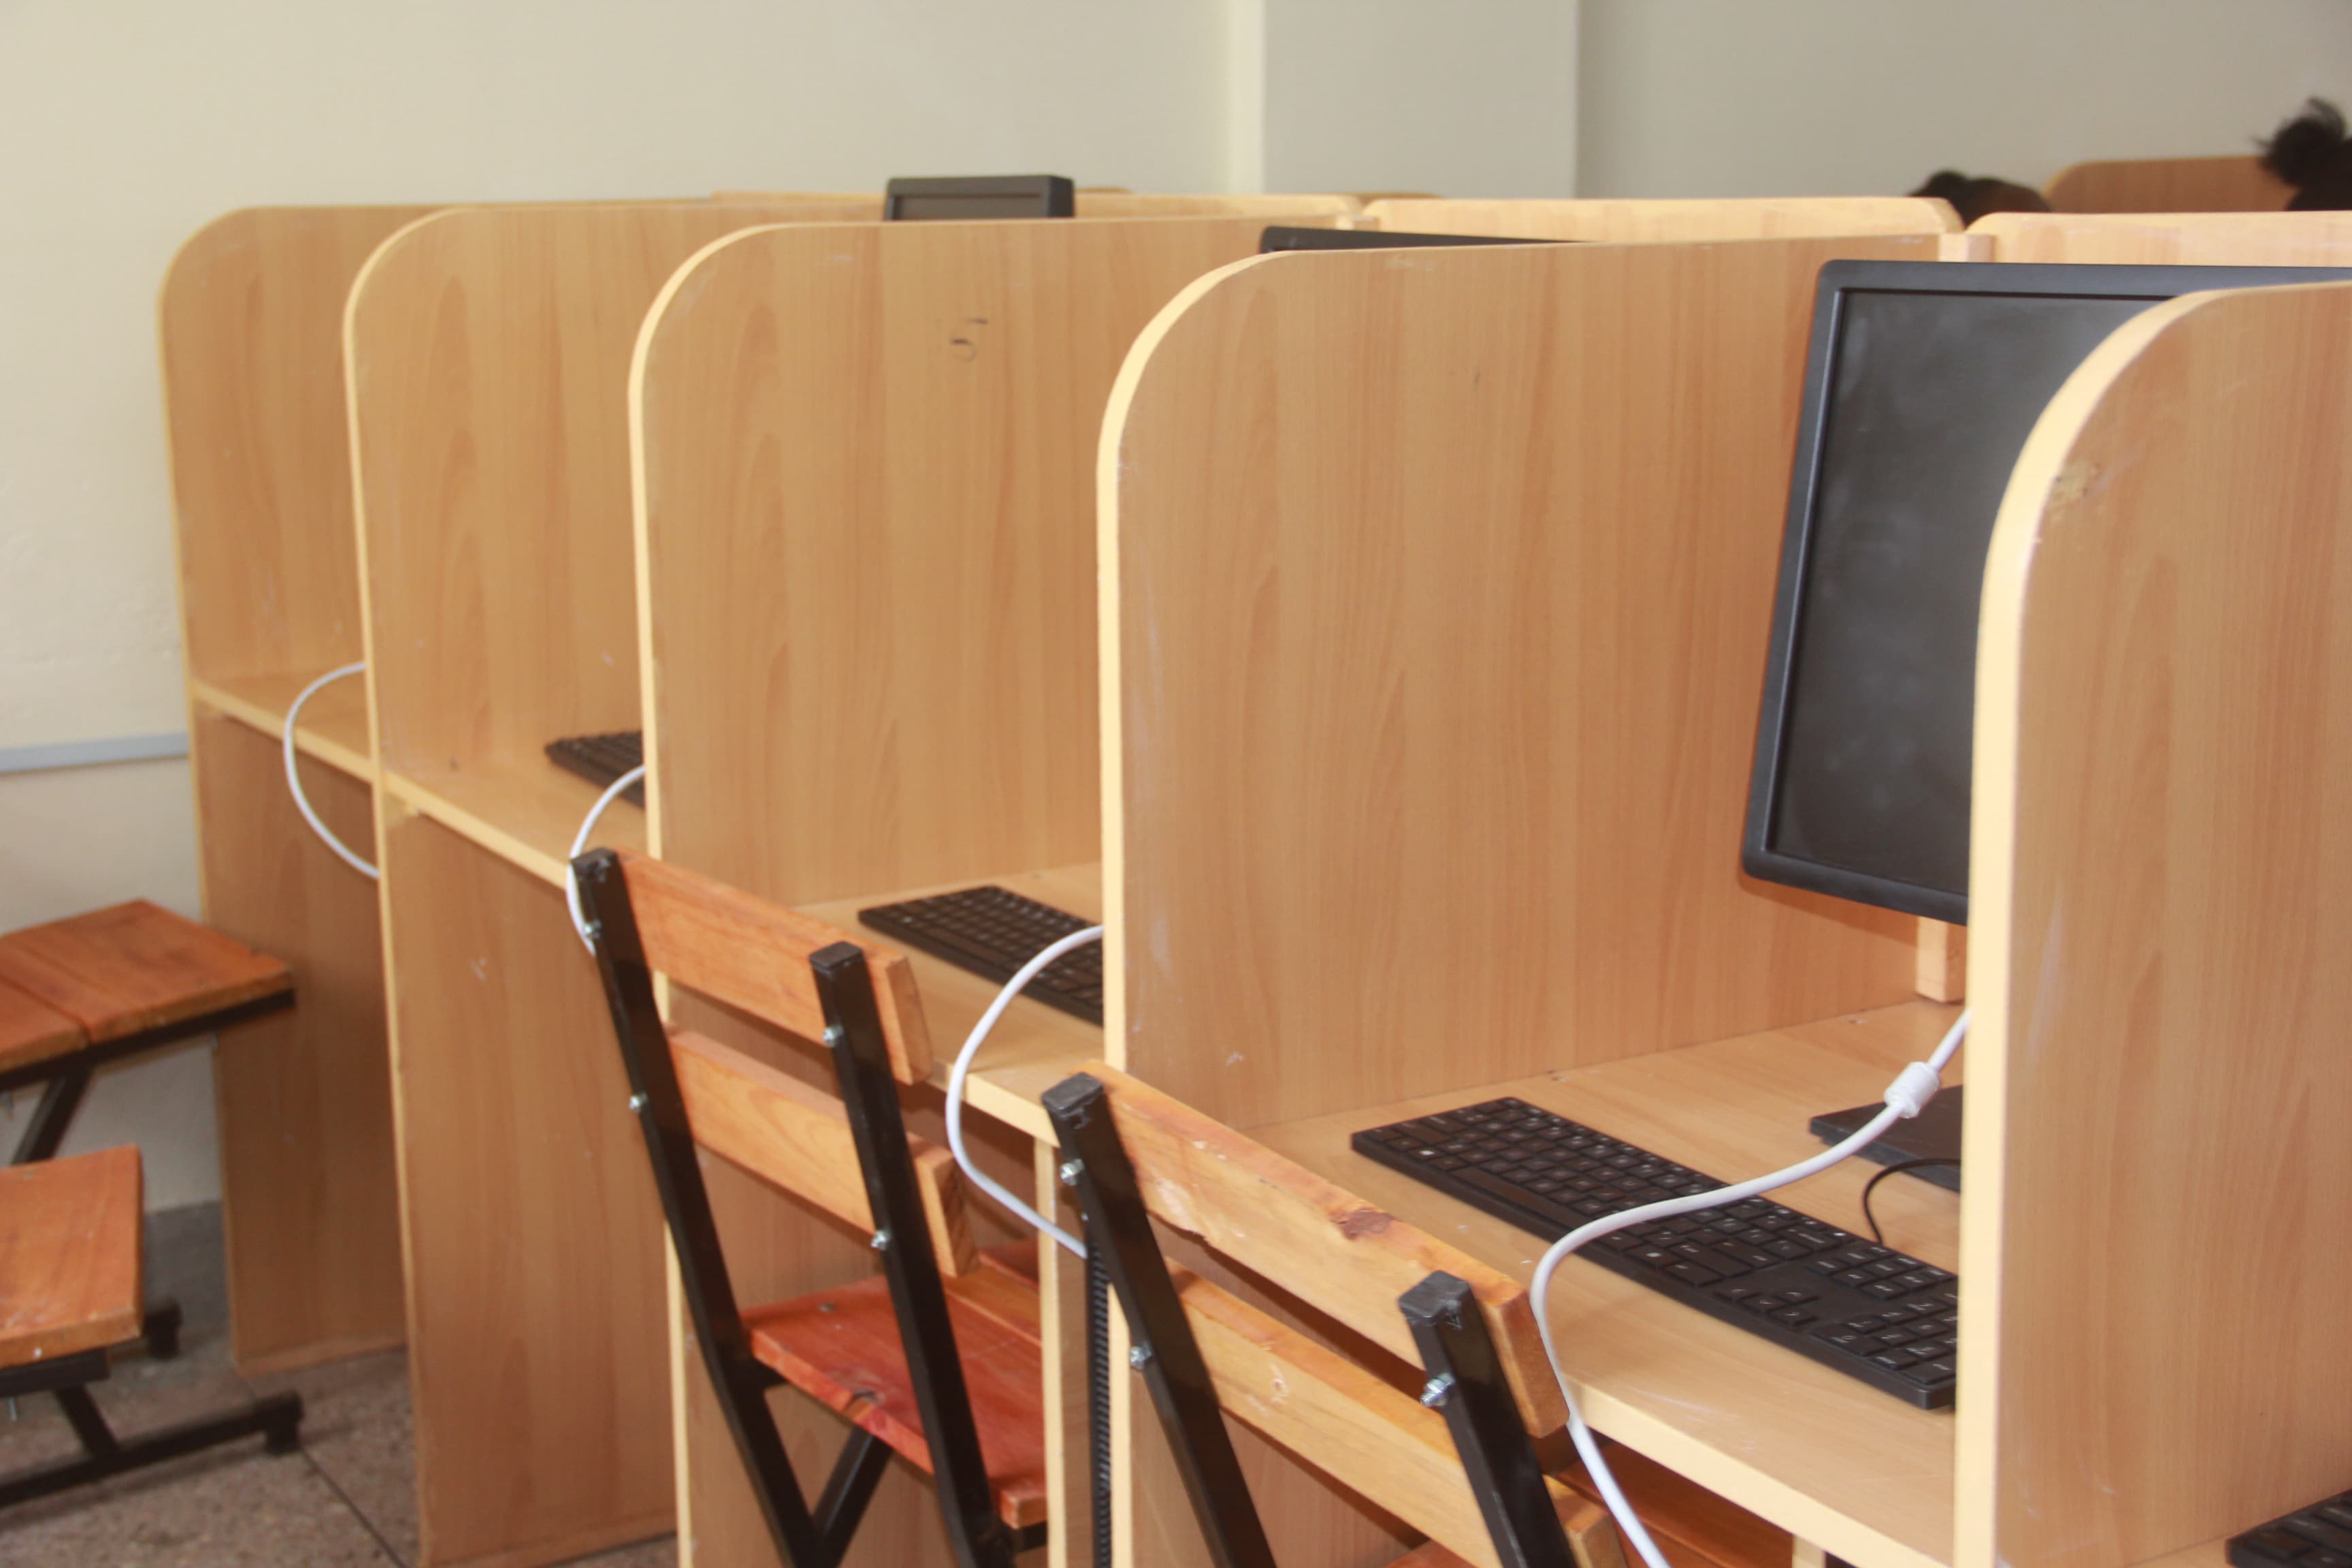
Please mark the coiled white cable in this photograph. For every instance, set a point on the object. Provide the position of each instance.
(980, 1178)
(580, 846)
(294, 777)
(1906, 1097)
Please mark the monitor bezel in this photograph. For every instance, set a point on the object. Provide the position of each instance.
(1283, 239)
(1838, 279)
(1057, 193)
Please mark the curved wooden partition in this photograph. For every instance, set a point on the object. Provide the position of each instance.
(487, 352)
(2225, 184)
(2152, 1353)
(1776, 218)
(865, 511)
(251, 323)
(2191, 239)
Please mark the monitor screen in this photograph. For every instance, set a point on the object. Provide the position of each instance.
(1280, 237)
(978, 196)
(1923, 382)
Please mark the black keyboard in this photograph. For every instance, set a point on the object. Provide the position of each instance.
(601, 759)
(1847, 1302)
(993, 932)
(2319, 1536)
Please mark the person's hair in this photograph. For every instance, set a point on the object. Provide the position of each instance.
(1974, 197)
(2311, 154)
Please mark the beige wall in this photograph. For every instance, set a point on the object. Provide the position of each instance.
(128, 126)
(1723, 97)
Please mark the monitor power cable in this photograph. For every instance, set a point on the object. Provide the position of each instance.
(580, 846)
(294, 778)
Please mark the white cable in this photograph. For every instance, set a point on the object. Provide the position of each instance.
(981, 1179)
(580, 846)
(1906, 1097)
(294, 778)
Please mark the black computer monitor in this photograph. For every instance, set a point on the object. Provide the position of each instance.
(1280, 237)
(979, 196)
(1923, 380)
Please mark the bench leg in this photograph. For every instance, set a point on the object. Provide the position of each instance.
(278, 1420)
(160, 1329)
(59, 1100)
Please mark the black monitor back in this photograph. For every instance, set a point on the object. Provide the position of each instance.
(1923, 380)
(978, 195)
(1280, 237)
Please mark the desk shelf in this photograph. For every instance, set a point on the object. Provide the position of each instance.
(525, 811)
(334, 726)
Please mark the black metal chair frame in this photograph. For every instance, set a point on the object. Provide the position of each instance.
(805, 1537)
(1465, 1372)
(67, 1077)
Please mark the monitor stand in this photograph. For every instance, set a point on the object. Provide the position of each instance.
(1932, 1134)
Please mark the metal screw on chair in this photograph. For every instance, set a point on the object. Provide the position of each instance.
(1437, 1391)
(637, 1102)
(1070, 1172)
(1137, 1356)
(881, 1241)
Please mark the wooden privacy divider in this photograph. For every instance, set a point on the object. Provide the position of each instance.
(1436, 588)
(250, 327)
(2227, 184)
(2196, 239)
(1771, 218)
(864, 459)
(2152, 1353)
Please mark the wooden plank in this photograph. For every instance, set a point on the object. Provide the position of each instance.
(1264, 206)
(2152, 1352)
(2225, 184)
(536, 1309)
(308, 1184)
(333, 729)
(525, 811)
(1769, 217)
(251, 328)
(798, 1139)
(1337, 1253)
(2196, 239)
(33, 1031)
(1429, 708)
(1943, 962)
(68, 1255)
(1806, 1449)
(754, 955)
(842, 1347)
(1377, 1442)
(136, 967)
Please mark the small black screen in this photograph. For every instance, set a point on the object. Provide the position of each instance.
(1931, 398)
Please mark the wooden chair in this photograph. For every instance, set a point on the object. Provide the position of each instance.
(69, 1295)
(78, 994)
(1137, 1155)
(940, 1360)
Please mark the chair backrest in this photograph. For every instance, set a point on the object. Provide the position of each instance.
(646, 918)
(1357, 1265)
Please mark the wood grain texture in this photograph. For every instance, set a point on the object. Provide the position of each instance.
(525, 811)
(333, 729)
(1806, 1449)
(2195, 239)
(251, 326)
(1772, 217)
(1369, 1437)
(536, 1309)
(842, 1348)
(136, 967)
(68, 1255)
(309, 1189)
(1338, 1254)
(754, 955)
(1437, 587)
(2152, 1352)
(797, 1138)
(867, 514)
(2227, 184)
(1943, 962)
(488, 353)
(33, 1031)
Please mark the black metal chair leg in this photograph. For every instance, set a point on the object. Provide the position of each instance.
(278, 1420)
(855, 1474)
(59, 1100)
(160, 1329)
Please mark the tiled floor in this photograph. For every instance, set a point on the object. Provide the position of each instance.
(349, 1498)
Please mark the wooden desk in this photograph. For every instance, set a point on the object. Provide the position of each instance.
(1842, 1466)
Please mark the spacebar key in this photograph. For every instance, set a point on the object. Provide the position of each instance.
(1518, 1197)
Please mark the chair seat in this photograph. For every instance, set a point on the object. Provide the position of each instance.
(135, 968)
(33, 1031)
(68, 1255)
(842, 1348)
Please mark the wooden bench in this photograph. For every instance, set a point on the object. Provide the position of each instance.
(69, 1297)
(80, 992)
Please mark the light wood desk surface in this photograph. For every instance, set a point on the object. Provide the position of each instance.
(333, 728)
(1034, 1046)
(524, 810)
(1844, 1467)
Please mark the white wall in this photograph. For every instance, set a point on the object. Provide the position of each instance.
(1470, 98)
(128, 125)
(1706, 98)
